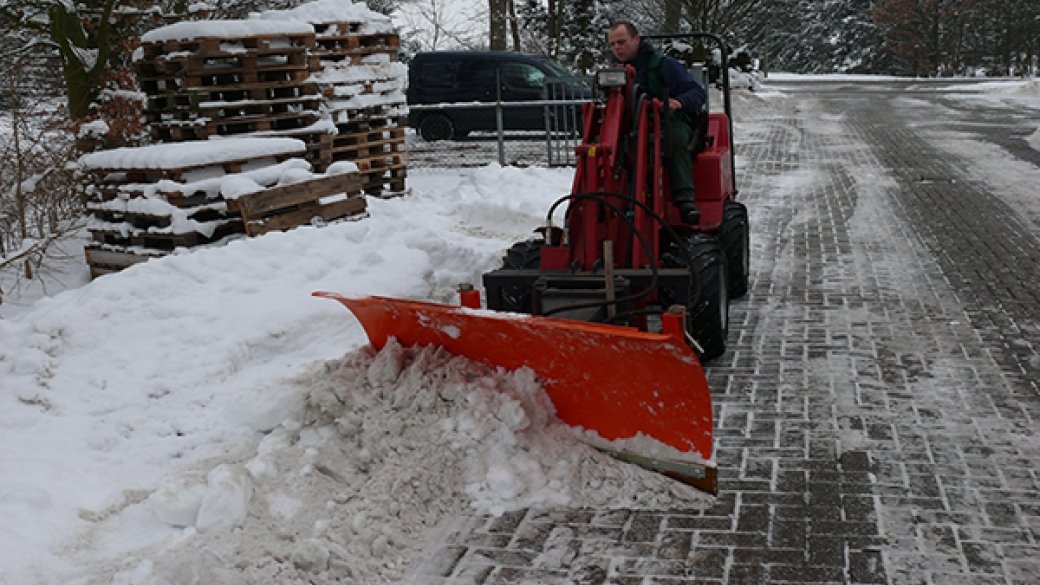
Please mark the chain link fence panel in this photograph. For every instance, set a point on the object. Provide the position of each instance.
(531, 133)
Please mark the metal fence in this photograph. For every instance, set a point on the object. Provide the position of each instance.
(530, 133)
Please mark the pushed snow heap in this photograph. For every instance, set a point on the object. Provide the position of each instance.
(391, 446)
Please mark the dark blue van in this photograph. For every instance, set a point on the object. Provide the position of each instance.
(460, 77)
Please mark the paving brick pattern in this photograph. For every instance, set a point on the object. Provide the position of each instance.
(876, 413)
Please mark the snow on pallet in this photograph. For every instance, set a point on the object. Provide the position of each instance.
(179, 158)
(219, 44)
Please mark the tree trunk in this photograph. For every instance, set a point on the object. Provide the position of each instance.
(554, 18)
(497, 19)
(83, 79)
(514, 25)
(672, 12)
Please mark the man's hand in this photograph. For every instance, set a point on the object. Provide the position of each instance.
(674, 104)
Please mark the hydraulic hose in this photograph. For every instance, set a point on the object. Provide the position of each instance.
(600, 197)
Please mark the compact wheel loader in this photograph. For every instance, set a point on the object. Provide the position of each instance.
(620, 303)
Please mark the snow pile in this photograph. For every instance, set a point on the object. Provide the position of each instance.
(390, 444)
(332, 11)
(741, 80)
(1034, 140)
(177, 365)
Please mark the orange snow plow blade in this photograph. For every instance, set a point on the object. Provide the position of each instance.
(616, 381)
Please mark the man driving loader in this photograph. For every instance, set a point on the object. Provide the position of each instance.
(656, 73)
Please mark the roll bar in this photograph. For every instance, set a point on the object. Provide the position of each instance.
(728, 105)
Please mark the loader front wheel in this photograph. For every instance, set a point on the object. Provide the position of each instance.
(521, 256)
(735, 241)
(708, 319)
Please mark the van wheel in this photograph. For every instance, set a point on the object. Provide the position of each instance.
(436, 127)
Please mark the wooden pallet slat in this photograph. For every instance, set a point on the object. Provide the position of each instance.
(270, 200)
(389, 134)
(180, 131)
(335, 210)
(384, 161)
(360, 123)
(107, 261)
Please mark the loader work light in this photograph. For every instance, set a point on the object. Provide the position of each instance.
(613, 77)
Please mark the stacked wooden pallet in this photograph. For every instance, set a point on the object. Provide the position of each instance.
(246, 110)
(145, 202)
(223, 78)
(345, 41)
(363, 85)
(334, 83)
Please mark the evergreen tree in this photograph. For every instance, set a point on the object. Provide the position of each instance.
(585, 26)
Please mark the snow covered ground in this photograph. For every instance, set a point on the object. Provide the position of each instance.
(148, 412)
(203, 418)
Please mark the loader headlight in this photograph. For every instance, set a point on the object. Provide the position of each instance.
(613, 77)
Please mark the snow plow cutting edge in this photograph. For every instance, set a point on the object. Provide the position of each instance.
(619, 384)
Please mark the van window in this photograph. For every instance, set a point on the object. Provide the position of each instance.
(477, 75)
(439, 74)
(557, 69)
(523, 76)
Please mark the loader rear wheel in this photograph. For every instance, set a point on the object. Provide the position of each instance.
(708, 319)
(735, 241)
(521, 256)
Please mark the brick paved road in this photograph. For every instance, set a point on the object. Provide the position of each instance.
(875, 415)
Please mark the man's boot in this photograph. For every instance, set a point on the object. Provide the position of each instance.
(684, 200)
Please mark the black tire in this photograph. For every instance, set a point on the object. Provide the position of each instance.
(436, 127)
(708, 319)
(521, 256)
(734, 237)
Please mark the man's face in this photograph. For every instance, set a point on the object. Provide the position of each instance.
(623, 45)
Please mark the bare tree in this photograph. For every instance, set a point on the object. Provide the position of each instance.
(39, 206)
(441, 24)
